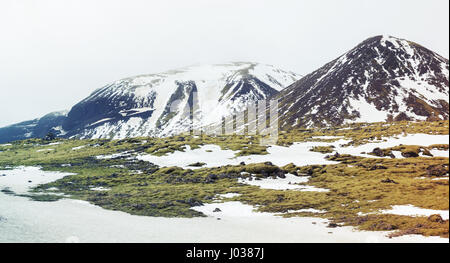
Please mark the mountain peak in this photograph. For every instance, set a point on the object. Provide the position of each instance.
(382, 78)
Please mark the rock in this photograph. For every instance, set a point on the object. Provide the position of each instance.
(193, 202)
(168, 203)
(436, 218)
(279, 199)
(226, 176)
(242, 163)
(437, 170)
(181, 139)
(217, 210)
(50, 137)
(378, 152)
(385, 226)
(377, 167)
(332, 225)
(114, 175)
(213, 176)
(410, 154)
(281, 174)
(389, 181)
(138, 206)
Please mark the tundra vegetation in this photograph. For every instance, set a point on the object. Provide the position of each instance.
(359, 187)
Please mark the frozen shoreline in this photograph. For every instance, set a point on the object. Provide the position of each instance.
(70, 220)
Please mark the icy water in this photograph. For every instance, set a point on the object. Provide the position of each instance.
(68, 220)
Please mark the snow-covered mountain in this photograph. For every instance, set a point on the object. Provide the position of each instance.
(383, 78)
(159, 104)
(51, 122)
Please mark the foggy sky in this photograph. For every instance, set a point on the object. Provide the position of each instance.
(53, 53)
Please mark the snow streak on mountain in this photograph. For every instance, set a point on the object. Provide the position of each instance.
(159, 104)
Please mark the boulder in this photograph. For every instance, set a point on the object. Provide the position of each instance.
(436, 218)
(409, 154)
(281, 174)
(378, 152)
(332, 225)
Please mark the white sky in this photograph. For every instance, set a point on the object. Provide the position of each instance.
(53, 53)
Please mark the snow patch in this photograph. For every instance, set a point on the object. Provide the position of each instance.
(290, 182)
(410, 210)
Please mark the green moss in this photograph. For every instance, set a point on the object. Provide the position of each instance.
(409, 150)
(322, 149)
(141, 188)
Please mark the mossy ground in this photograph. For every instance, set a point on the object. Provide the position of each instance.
(359, 187)
(410, 150)
(322, 149)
